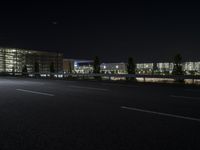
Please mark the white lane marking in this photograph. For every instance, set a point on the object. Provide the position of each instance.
(185, 97)
(35, 92)
(161, 114)
(89, 88)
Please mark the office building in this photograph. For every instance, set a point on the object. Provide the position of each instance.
(113, 68)
(12, 60)
(77, 66)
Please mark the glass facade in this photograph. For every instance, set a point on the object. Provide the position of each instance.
(145, 66)
(191, 66)
(83, 66)
(77, 66)
(13, 60)
(167, 68)
(113, 68)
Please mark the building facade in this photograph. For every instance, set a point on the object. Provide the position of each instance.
(144, 68)
(68, 65)
(167, 68)
(77, 66)
(113, 68)
(191, 66)
(13, 60)
(162, 68)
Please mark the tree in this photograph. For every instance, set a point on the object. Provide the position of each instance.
(192, 72)
(52, 68)
(37, 68)
(70, 67)
(155, 68)
(13, 71)
(24, 70)
(177, 70)
(96, 65)
(131, 66)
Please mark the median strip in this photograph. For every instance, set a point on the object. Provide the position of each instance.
(35, 92)
(161, 114)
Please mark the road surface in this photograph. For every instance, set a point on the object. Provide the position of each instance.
(57, 115)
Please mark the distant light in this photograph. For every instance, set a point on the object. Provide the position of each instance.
(54, 22)
(117, 66)
(104, 67)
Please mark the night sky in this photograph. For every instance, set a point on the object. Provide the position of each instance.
(146, 30)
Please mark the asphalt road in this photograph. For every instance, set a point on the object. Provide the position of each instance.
(61, 115)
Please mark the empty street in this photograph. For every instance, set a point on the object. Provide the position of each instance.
(57, 114)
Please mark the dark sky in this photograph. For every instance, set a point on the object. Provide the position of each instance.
(113, 30)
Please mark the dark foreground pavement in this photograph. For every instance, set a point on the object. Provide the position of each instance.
(61, 115)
